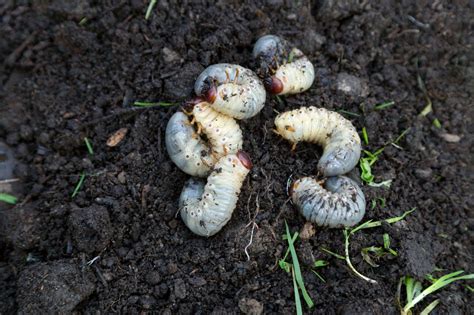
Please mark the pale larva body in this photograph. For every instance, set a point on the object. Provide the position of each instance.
(285, 69)
(329, 129)
(206, 209)
(223, 132)
(231, 90)
(297, 76)
(186, 149)
(340, 203)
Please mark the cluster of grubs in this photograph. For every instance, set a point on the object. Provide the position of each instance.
(204, 140)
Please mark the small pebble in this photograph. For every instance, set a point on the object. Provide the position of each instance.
(351, 85)
(169, 55)
(423, 173)
(448, 137)
(307, 231)
(180, 289)
(250, 306)
(172, 268)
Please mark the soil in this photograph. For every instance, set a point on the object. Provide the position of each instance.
(72, 69)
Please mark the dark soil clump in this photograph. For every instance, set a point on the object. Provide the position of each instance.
(90, 228)
(73, 69)
(56, 287)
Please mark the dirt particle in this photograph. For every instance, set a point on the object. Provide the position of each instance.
(338, 9)
(147, 301)
(170, 56)
(153, 277)
(197, 281)
(312, 41)
(448, 137)
(420, 253)
(53, 287)
(20, 226)
(307, 231)
(116, 137)
(172, 268)
(424, 174)
(90, 228)
(122, 178)
(180, 289)
(351, 85)
(7, 163)
(250, 306)
(71, 38)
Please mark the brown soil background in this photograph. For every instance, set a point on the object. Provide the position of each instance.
(62, 80)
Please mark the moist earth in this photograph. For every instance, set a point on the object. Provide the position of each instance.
(73, 69)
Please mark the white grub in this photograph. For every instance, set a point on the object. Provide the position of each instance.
(340, 203)
(223, 132)
(231, 90)
(329, 129)
(186, 149)
(285, 69)
(206, 209)
(189, 151)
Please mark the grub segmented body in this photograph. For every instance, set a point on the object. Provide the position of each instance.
(329, 129)
(231, 90)
(186, 149)
(284, 69)
(340, 203)
(189, 151)
(223, 132)
(206, 208)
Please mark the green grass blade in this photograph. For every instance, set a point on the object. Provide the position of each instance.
(293, 239)
(78, 185)
(399, 293)
(450, 275)
(416, 289)
(371, 224)
(150, 8)
(438, 284)
(7, 198)
(428, 108)
(366, 256)
(366, 171)
(152, 104)
(284, 265)
(373, 204)
(296, 267)
(83, 21)
(89, 146)
(280, 99)
(365, 136)
(384, 105)
(430, 307)
(376, 153)
(320, 263)
(291, 56)
(319, 276)
(386, 241)
(333, 253)
(396, 219)
(364, 225)
(348, 113)
(402, 135)
(299, 307)
(385, 183)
